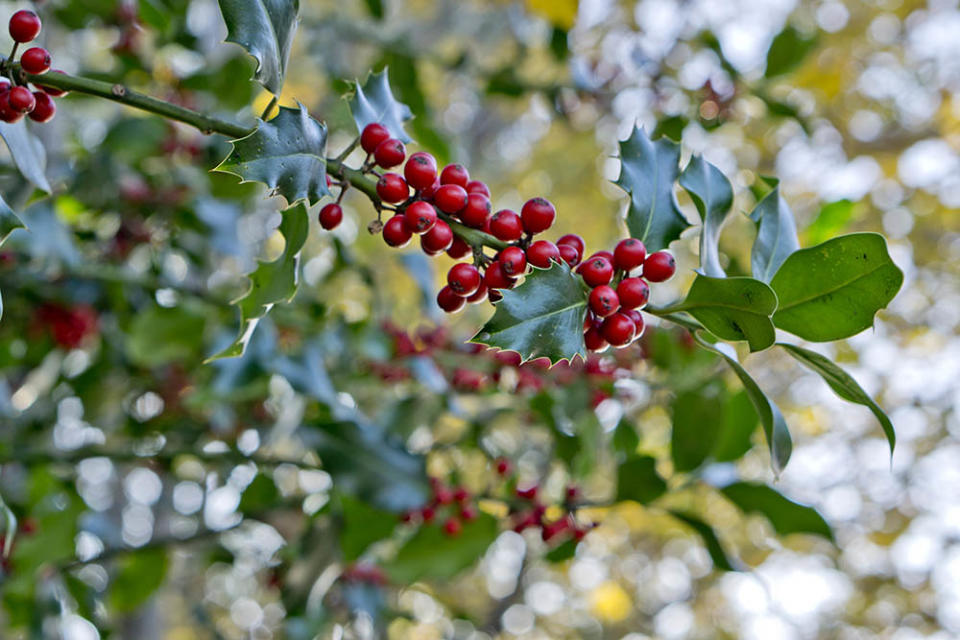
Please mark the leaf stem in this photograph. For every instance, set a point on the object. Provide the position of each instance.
(266, 112)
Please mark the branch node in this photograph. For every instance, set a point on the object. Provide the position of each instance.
(118, 90)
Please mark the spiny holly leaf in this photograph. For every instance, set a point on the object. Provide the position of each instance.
(27, 152)
(265, 28)
(432, 554)
(712, 194)
(286, 154)
(271, 282)
(648, 170)
(733, 309)
(374, 102)
(834, 290)
(785, 515)
(842, 384)
(9, 221)
(776, 234)
(542, 318)
(774, 426)
(710, 539)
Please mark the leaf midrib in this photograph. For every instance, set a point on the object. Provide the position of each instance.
(834, 290)
(537, 318)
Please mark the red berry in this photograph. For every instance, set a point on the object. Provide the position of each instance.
(431, 191)
(389, 153)
(44, 110)
(659, 266)
(53, 91)
(502, 466)
(633, 292)
(573, 492)
(479, 296)
(629, 254)
(638, 323)
(451, 198)
(330, 215)
(459, 249)
(618, 329)
(476, 186)
(505, 225)
(420, 217)
(573, 240)
(594, 339)
(427, 513)
(438, 239)
(604, 301)
(495, 278)
(477, 211)
(468, 513)
(35, 60)
(443, 495)
(513, 261)
(596, 271)
(24, 26)
(455, 174)
(541, 253)
(373, 134)
(420, 170)
(395, 231)
(601, 254)
(22, 100)
(538, 215)
(452, 527)
(569, 254)
(449, 301)
(527, 493)
(464, 279)
(8, 113)
(391, 187)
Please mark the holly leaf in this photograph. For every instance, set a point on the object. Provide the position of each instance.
(710, 540)
(776, 234)
(160, 335)
(648, 170)
(430, 553)
(271, 282)
(697, 419)
(363, 524)
(787, 51)
(265, 28)
(638, 480)
(373, 101)
(842, 384)
(286, 154)
(139, 575)
(732, 309)
(712, 195)
(774, 425)
(834, 290)
(27, 152)
(784, 514)
(9, 221)
(543, 317)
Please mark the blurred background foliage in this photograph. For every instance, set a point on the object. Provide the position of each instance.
(157, 497)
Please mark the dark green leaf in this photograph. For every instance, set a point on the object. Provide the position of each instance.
(834, 290)
(543, 317)
(774, 426)
(161, 335)
(139, 575)
(27, 152)
(9, 221)
(710, 539)
(286, 154)
(776, 234)
(671, 127)
(697, 416)
(842, 384)
(260, 494)
(625, 438)
(375, 7)
(363, 525)
(648, 170)
(712, 194)
(733, 309)
(787, 51)
(563, 551)
(739, 421)
(785, 515)
(432, 554)
(374, 102)
(638, 480)
(833, 219)
(265, 28)
(272, 282)
(558, 44)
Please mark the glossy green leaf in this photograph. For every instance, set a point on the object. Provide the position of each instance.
(138, 575)
(625, 439)
(271, 282)
(160, 335)
(774, 426)
(27, 152)
(733, 309)
(638, 480)
(739, 422)
(712, 195)
(832, 220)
(286, 154)
(432, 554)
(842, 384)
(787, 51)
(710, 540)
(648, 170)
(834, 290)
(375, 7)
(563, 551)
(776, 234)
(697, 416)
(261, 494)
(9, 221)
(363, 524)
(265, 28)
(784, 514)
(543, 317)
(373, 101)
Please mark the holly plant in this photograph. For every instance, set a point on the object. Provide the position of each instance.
(169, 391)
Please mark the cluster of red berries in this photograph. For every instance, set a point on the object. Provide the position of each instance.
(69, 326)
(439, 197)
(530, 513)
(455, 505)
(17, 100)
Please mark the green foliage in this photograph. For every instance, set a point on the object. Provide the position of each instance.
(265, 28)
(541, 318)
(787, 51)
(638, 480)
(373, 101)
(138, 575)
(832, 220)
(712, 194)
(27, 153)
(259, 495)
(9, 221)
(834, 290)
(161, 335)
(432, 554)
(785, 515)
(710, 540)
(363, 525)
(697, 416)
(776, 234)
